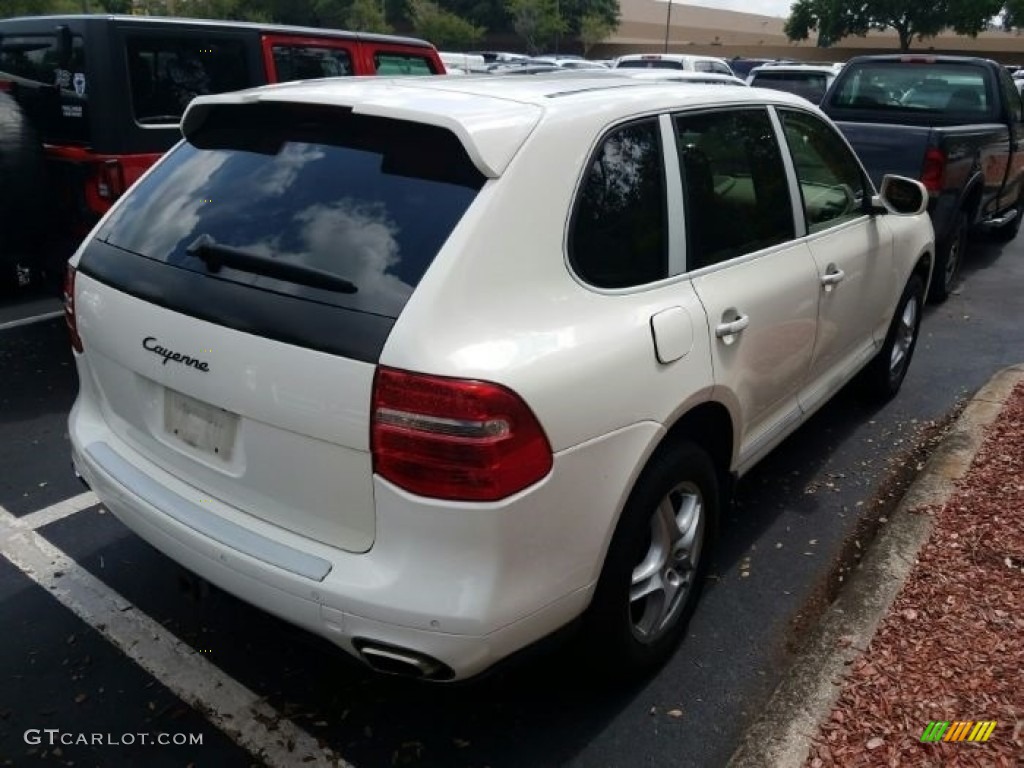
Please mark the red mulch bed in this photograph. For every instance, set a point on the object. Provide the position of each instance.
(952, 645)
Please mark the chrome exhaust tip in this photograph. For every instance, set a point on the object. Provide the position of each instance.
(391, 660)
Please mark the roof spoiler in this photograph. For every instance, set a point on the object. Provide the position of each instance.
(490, 137)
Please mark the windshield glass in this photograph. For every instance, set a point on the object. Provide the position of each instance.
(368, 200)
(954, 90)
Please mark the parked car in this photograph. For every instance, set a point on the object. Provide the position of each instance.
(462, 63)
(673, 61)
(434, 390)
(104, 95)
(953, 122)
(807, 80)
(741, 66)
(576, 63)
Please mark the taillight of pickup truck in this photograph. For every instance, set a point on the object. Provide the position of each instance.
(933, 172)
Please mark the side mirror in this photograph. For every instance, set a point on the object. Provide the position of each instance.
(901, 195)
(64, 44)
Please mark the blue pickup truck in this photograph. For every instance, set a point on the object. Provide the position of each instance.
(954, 123)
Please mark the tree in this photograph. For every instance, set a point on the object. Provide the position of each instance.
(443, 28)
(367, 16)
(836, 19)
(593, 29)
(538, 22)
(39, 7)
(1013, 14)
(573, 12)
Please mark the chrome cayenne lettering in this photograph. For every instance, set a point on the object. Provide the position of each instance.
(151, 345)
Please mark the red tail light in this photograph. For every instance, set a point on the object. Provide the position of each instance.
(69, 309)
(454, 439)
(934, 171)
(110, 184)
(6, 86)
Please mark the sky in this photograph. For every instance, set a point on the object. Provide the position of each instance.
(763, 7)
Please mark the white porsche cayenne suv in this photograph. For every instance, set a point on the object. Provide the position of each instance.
(435, 367)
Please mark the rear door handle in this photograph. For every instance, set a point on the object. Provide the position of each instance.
(832, 277)
(722, 330)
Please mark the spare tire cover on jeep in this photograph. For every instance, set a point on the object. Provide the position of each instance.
(22, 184)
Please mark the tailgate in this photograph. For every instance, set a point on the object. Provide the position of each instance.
(235, 304)
(888, 148)
(277, 431)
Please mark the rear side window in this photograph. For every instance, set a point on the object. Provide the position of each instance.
(166, 73)
(401, 64)
(362, 201)
(305, 62)
(619, 236)
(734, 183)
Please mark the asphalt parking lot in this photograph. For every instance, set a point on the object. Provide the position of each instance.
(103, 636)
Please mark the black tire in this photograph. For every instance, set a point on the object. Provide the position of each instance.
(947, 265)
(883, 376)
(22, 188)
(1008, 232)
(626, 636)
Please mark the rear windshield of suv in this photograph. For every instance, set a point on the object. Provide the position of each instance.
(312, 203)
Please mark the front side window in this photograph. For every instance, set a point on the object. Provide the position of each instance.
(734, 183)
(307, 62)
(166, 73)
(401, 64)
(831, 182)
(619, 237)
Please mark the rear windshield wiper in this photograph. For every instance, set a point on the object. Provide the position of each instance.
(215, 256)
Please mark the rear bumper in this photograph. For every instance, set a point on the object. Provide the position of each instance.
(465, 585)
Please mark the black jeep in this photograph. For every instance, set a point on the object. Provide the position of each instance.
(88, 103)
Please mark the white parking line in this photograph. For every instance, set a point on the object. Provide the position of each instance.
(30, 320)
(55, 512)
(226, 703)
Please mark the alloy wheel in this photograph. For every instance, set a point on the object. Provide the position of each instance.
(665, 575)
(904, 339)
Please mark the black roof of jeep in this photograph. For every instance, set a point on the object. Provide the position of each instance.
(17, 22)
(90, 101)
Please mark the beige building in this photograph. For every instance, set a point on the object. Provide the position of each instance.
(698, 29)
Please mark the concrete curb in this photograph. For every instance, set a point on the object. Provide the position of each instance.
(781, 738)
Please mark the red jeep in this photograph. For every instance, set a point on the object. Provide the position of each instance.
(87, 103)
